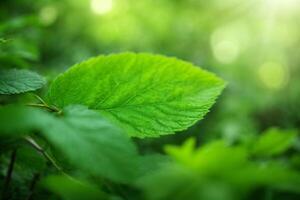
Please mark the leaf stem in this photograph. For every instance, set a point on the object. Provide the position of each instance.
(50, 108)
(51, 160)
(43, 104)
(9, 174)
(40, 99)
(37, 147)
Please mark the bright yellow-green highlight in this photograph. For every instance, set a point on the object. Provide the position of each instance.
(48, 15)
(225, 46)
(101, 7)
(274, 75)
(282, 5)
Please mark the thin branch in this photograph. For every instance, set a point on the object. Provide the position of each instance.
(37, 147)
(33, 182)
(51, 160)
(9, 174)
(50, 108)
(40, 99)
(38, 105)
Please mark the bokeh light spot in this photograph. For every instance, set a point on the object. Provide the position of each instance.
(226, 43)
(48, 15)
(274, 75)
(101, 7)
(225, 51)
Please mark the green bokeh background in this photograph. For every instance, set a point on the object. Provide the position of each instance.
(252, 44)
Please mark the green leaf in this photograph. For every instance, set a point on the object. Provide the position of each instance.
(215, 171)
(273, 142)
(16, 120)
(210, 159)
(19, 81)
(88, 141)
(72, 189)
(151, 162)
(93, 144)
(148, 95)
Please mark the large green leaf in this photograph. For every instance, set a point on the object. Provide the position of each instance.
(18, 81)
(88, 141)
(148, 95)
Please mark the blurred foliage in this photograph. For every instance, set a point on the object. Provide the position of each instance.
(252, 44)
(71, 189)
(221, 171)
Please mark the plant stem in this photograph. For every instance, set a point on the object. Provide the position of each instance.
(34, 180)
(51, 160)
(43, 104)
(9, 174)
(50, 108)
(40, 99)
(36, 146)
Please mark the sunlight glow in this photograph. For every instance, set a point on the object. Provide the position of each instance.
(48, 15)
(225, 46)
(101, 7)
(274, 75)
(282, 5)
(226, 51)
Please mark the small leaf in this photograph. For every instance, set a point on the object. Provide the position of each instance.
(274, 142)
(211, 158)
(88, 141)
(19, 81)
(216, 171)
(148, 95)
(72, 189)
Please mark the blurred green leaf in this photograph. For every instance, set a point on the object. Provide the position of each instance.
(151, 162)
(273, 142)
(19, 47)
(88, 141)
(2, 40)
(17, 23)
(211, 158)
(148, 95)
(72, 189)
(295, 161)
(100, 147)
(16, 120)
(215, 171)
(178, 183)
(19, 81)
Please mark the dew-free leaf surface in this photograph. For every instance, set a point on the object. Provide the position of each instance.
(148, 95)
(15, 81)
